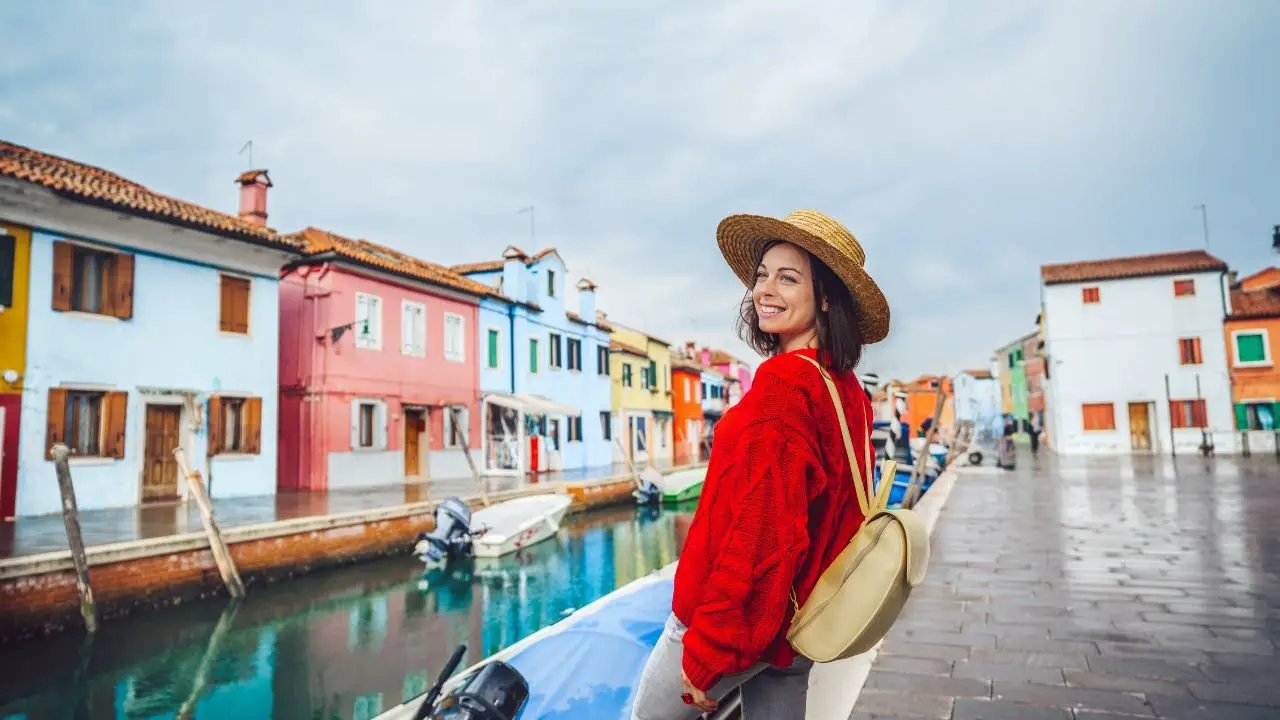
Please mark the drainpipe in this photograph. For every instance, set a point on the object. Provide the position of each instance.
(511, 337)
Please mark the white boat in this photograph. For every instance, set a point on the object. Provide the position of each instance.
(675, 487)
(514, 524)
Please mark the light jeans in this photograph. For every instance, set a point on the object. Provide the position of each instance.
(768, 692)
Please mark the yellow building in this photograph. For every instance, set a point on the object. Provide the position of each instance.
(15, 266)
(640, 371)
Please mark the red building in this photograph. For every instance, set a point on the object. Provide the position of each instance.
(686, 405)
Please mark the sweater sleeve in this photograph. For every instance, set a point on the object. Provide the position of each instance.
(748, 588)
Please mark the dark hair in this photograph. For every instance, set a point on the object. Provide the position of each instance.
(839, 335)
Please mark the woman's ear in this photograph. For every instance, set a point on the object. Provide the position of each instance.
(826, 307)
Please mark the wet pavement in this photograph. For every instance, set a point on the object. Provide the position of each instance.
(45, 533)
(1094, 589)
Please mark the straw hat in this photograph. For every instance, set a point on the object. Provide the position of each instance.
(742, 236)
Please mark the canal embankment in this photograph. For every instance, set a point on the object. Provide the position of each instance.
(39, 594)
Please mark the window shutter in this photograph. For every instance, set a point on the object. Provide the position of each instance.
(63, 269)
(355, 423)
(1242, 417)
(382, 419)
(122, 287)
(8, 258)
(115, 420)
(253, 425)
(215, 426)
(406, 330)
(56, 423)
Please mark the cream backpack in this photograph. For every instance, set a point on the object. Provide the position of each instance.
(859, 596)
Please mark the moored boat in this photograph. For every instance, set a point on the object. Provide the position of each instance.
(493, 531)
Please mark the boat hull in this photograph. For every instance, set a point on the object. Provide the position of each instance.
(521, 523)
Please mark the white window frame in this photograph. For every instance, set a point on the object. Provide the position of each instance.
(451, 443)
(1266, 348)
(417, 332)
(379, 424)
(374, 340)
(458, 354)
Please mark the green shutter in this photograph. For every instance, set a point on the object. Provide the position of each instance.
(533, 356)
(1250, 348)
(1242, 417)
(493, 348)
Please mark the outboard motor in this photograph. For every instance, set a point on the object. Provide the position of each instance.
(648, 493)
(451, 537)
(495, 691)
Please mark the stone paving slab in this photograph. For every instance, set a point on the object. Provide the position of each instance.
(1094, 589)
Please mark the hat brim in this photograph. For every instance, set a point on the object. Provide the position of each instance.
(741, 238)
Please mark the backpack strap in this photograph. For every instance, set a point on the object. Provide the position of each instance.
(868, 499)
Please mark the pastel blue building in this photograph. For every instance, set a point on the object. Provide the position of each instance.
(714, 399)
(544, 369)
(153, 326)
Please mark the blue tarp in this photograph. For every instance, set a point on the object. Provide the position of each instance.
(589, 670)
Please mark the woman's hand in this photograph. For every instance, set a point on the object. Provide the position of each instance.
(695, 697)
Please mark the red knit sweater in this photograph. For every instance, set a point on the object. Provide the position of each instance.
(777, 507)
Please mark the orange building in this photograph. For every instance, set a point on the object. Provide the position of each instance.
(686, 406)
(922, 396)
(1253, 341)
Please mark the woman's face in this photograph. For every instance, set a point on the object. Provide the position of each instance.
(783, 294)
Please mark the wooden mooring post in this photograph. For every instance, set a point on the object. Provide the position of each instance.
(221, 555)
(916, 485)
(631, 467)
(463, 436)
(200, 685)
(71, 519)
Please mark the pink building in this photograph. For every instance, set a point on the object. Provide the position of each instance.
(738, 372)
(376, 349)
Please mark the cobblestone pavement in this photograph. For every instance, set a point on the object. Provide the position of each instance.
(1094, 589)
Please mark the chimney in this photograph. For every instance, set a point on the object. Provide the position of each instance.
(253, 196)
(706, 357)
(690, 351)
(513, 273)
(587, 299)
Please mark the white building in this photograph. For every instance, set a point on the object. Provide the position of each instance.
(1136, 354)
(977, 400)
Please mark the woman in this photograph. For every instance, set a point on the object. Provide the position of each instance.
(778, 504)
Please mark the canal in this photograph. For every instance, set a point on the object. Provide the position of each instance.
(346, 643)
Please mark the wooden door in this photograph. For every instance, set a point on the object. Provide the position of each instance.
(413, 427)
(1139, 427)
(160, 468)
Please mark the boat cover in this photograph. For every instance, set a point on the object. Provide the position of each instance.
(590, 668)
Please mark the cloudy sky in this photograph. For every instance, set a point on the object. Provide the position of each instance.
(965, 143)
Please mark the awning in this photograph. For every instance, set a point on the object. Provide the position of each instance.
(532, 404)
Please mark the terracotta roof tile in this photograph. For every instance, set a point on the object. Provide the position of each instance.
(95, 185)
(615, 346)
(1265, 278)
(979, 374)
(575, 317)
(315, 241)
(1131, 267)
(491, 265)
(1247, 304)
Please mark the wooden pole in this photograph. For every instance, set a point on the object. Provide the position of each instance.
(635, 477)
(916, 485)
(221, 555)
(459, 434)
(71, 519)
(1168, 398)
(205, 669)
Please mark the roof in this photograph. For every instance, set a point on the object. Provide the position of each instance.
(615, 346)
(720, 357)
(680, 363)
(96, 186)
(315, 241)
(978, 374)
(1131, 267)
(493, 265)
(575, 317)
(1265, 278)
(1247, 304)
(251, 176)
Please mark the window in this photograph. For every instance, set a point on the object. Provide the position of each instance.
(494, 338)
(704, 390)
(606, 424)
(368, 424)
(368, 323)
(413, 329)
(1256, 415)
(602, 360)
(1091, 295)
(454, 338)
(92, 281)
(653, 374)
(1099, 416)
(235, 425)
(1183, 288)
(551, 283)
(533, 355)
(233, 304)
(575, 428)
(626, 374)
(83, 422)
(1189, 351)
(575, 354)
(1251, 347)
(368, 417)
(1187, 414)
(8, 264)
(553, 351)
(687, 389)
(457, 426)
(553, 432)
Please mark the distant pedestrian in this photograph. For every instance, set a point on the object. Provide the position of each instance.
(1034, 431)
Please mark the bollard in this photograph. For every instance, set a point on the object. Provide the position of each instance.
(71, 519)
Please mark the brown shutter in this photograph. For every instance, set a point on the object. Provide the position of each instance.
(122, 287)
(240, 321)
(224, 303)
(117, 405)
(63, 270)
(56, 423)
(215, 425)
(252, 425)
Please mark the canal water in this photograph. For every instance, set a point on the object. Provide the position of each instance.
(346, 643)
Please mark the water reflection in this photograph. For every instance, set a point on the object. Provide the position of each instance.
(344, 644)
